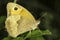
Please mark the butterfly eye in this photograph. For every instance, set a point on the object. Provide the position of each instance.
(15, 8)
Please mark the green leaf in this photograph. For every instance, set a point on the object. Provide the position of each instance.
(37, 33)
(6, 38)
(2, 22)
(46, 32)
(18, 38)
(33, 34)
(9, 38)
(37, 38)
(2, 19)
(40, 32)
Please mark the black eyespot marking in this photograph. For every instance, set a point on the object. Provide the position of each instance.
(15, 8)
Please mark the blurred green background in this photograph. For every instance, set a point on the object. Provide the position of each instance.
(50, 21)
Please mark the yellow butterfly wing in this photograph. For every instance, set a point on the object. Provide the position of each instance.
(20, 10)
(26, 21)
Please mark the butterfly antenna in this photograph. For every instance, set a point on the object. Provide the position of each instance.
(43, 15)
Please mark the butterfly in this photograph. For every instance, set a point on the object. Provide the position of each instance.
(19, 20)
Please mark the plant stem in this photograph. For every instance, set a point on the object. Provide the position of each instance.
(15, 1)
(28, 35)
